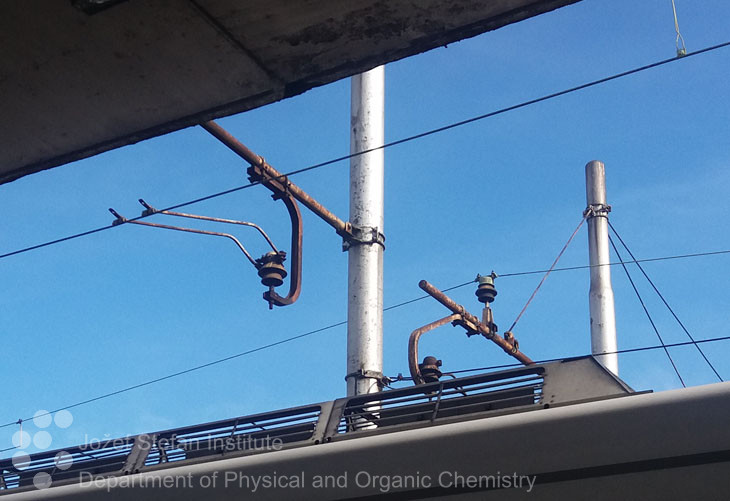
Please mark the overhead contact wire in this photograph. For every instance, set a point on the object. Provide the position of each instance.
(394, 143)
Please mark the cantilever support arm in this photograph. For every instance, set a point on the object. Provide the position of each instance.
(473, 321)
(263, 171)
(413, 345)
(295, 280)
(149, 210)
(120, 220)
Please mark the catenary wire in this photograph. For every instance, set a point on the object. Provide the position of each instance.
(346, 157)
(397, 305)
(185, 371)
(567, 268)
(407, 139)
(617, 352)
(661, 296)
(651, 321)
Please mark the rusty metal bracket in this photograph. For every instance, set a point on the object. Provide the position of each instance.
(415, 338)
(262, 172)
(280, 190)
(509, 345)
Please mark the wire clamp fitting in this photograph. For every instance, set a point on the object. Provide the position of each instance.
(361, 235)
(596, 210)
(512, 340)
(119, 218)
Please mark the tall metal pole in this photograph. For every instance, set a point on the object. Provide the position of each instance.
(365, 260)
(603, 315)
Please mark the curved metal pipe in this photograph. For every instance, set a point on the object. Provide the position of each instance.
(295, 278)
(413, 345)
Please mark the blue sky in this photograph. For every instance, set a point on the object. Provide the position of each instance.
(123, 306)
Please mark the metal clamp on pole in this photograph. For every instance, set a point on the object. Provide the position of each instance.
(361, 235)
(596, 210)
(381, 379)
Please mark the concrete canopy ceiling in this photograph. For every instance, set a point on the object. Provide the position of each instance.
(79, 77)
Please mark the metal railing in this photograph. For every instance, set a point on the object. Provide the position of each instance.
(473, 397)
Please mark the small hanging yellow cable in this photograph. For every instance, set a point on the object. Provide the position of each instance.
(681, 49)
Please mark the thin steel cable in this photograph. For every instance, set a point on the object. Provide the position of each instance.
(647, 260)
(393, 143)
(651, 321)
(185, 371)
(560, 254)
(567, 268)
(398, 305)
(215, 362)
(664, 301)
(617, 352)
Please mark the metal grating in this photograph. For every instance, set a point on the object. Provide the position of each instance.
(97, 458)
(434, 401)
(263, 432)
(247, 434)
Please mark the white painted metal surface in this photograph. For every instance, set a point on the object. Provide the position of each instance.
(365, 265)
(603, 315)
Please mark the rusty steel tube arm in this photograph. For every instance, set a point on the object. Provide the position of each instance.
(442, 298)
(263, 172)
(413, 345)
(151, 210)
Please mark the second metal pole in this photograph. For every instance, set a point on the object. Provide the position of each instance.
(603, 315)
(365, 260)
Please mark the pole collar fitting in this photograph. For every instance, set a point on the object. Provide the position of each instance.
(368, 374)
(361, 235)
(596, 210)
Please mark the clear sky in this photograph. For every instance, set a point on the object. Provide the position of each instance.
(120, 307)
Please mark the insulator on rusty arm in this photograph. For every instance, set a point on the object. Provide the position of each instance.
(270, 266)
